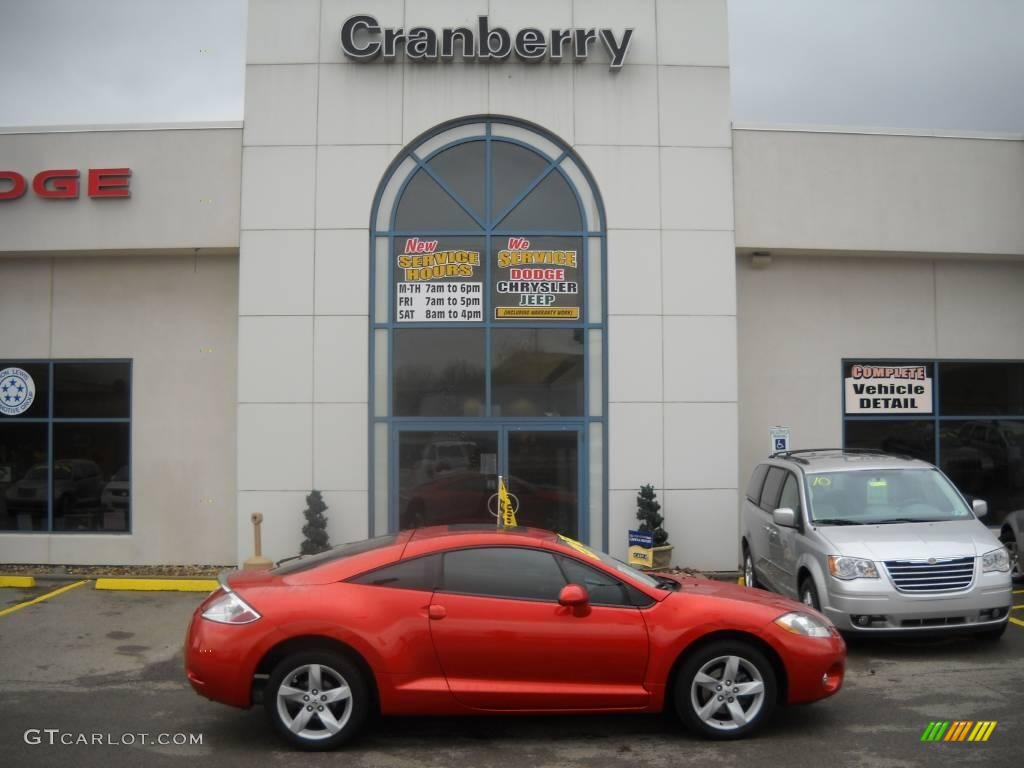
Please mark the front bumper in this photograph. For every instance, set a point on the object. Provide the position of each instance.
(985, 606)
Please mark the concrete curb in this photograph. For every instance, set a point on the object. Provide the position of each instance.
(157, 585)
(17, 581)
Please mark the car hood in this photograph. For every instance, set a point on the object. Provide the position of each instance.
(727, 591)
(910, 541)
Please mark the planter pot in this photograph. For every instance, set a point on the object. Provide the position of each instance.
(661, 557)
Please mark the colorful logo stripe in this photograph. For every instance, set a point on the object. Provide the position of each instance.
(959, 730)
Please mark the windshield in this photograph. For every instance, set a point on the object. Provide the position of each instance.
(618, 565)
(868, 497)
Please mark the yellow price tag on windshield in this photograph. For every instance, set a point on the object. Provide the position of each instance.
(821, 481)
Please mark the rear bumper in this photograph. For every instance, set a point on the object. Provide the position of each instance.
(220, 659)
(981, 608)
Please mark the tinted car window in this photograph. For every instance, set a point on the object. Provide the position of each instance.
(756, 482)
(791, 494)
(602, 588)
(527, 574)
(772, 486)
(418, 573)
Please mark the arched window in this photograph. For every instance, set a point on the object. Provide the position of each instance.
(487, 339)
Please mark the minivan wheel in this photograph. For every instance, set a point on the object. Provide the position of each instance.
(809, 594)
(749, 577)
(725, 690)
(317, 700)
(1010, 542)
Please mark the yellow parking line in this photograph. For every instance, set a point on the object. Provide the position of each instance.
(40, 599)
(1018, 591)
(1018, 622)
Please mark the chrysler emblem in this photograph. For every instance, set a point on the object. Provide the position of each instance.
(932, 561)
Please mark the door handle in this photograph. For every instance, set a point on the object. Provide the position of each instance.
(437, 612)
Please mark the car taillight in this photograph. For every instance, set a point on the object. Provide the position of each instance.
(229, 608)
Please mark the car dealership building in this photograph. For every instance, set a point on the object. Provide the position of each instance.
(461, 239)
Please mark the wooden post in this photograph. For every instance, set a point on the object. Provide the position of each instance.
(257, 562)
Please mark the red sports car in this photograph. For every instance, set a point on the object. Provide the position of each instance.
(467, 619)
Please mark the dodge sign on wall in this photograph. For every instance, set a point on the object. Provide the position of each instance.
(888, 389)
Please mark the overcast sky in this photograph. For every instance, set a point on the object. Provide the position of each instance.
(955, 65)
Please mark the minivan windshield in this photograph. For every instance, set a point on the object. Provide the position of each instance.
(879, 496)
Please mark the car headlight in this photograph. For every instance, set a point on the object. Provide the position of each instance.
(996, 560)
(229, 608)
(804, 624)
(851, 568)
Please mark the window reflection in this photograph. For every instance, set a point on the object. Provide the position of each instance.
(24, 477)
(984, 460)
(438, 373)
(537, 372)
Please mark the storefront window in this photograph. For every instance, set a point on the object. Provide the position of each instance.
(488, 266)
(965, 416)
(65, 459)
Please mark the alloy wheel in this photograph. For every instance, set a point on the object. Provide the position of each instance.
(748, 570)
(314, 701)
(727, 692)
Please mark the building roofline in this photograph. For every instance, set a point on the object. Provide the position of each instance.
(876, 131)
(115, 127)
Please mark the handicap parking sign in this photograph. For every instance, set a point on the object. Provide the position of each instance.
(780, 439)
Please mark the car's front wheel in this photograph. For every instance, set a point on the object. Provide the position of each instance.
(809, 594)
(725, 690)
(1013, 547)
(317, 700)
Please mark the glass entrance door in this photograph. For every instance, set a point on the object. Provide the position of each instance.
(543, 471)
(450, 476)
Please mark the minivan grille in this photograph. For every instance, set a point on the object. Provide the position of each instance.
(942, 575)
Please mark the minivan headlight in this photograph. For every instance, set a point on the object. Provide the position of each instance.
(996, 560)
(804, 624)
(847, 568)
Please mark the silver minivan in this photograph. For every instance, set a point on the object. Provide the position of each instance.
(877, 543)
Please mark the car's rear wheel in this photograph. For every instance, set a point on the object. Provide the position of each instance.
(749, 577)
(809, 594)
(317, 700)
(725, 690)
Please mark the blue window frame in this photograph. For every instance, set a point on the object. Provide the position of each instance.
(471, 184)
(65, 462)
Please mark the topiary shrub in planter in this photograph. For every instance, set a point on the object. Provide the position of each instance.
(649, 514)
(315, 529)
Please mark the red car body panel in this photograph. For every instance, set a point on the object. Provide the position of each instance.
(485, 654)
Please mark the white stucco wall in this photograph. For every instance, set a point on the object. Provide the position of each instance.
(184, 191)
(832, 191)
(319, 132)
(175, 317)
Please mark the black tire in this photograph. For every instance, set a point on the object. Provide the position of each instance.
(692, 699)
(809, 593)
(350, 713)
(749, 574)
(1010, 542)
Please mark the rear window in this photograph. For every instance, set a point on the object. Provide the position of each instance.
(305, 562)
(756, 481)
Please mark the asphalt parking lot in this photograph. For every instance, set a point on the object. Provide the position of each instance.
(89, 662)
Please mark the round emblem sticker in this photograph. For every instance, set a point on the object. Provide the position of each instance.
(17, 391)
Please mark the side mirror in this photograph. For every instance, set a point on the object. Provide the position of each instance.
(785, 517)
(980, 507)
(573, 596)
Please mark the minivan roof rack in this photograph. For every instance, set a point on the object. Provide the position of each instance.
(794, 455)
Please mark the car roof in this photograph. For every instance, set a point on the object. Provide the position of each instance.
(847, 460)
(476, 530)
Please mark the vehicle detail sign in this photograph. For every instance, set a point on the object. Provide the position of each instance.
(536, 284)
(881, 389)
(436, 285)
